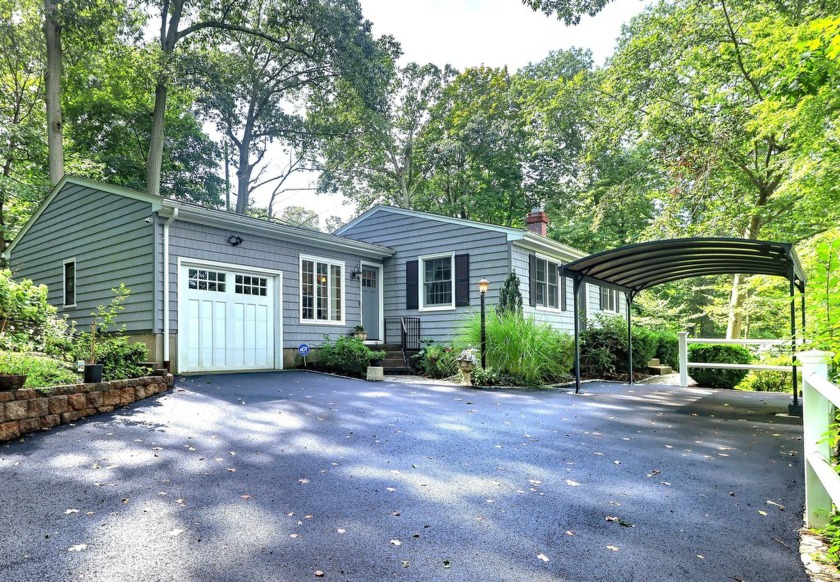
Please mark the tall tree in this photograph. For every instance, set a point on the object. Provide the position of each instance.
(371, 152)
(52, 75)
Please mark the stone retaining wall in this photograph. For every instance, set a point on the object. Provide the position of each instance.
(27, 410)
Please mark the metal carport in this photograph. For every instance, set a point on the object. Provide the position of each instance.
(633, 268)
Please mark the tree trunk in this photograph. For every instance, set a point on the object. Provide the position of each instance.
(155, 159)
(736, 299)
(52, 79)
(243, 173)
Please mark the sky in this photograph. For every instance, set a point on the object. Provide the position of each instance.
(469, 33)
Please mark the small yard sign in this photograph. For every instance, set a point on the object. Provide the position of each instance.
(303, 350)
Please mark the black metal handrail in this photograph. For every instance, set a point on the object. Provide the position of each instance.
(410, 333)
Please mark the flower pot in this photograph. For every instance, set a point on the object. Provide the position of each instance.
(93, 373)
(12, 381)
(360, 335)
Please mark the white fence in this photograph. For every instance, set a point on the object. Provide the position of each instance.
(819, 398)
(684, 340)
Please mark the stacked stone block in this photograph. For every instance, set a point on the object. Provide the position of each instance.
(24, 411)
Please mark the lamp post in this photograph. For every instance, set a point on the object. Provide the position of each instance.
(483, 285)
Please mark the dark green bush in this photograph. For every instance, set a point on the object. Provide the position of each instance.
(718, 354)
(522, 348)
(436, 360)
(768, 380)
(668, 349)
(25, 315)
(603, 346)
(347, 355)
(40, 371)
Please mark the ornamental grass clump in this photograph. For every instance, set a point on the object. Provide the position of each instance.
(530, 352)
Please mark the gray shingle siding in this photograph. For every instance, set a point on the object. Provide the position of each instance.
(412, 237)
(189, 240)
(111, 242)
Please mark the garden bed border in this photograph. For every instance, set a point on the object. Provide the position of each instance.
(28, 410)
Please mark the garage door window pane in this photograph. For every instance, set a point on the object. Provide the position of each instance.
(247, 285)
(204, 280)
(321, 290)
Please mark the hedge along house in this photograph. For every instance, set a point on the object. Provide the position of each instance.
(210, 290)
(431, 281)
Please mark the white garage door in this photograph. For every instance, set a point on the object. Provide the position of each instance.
(225, 320)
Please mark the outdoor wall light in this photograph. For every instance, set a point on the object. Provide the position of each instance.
(234, 240)
(357, 270)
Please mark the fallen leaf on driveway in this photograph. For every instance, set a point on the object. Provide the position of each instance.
(69, 511)
(304, 481)
(613, 548)
(781, 507)
(77, 548)
(447, 564)
(542, 557)
(396, 543)
(405, 564)
(570, 533)
(572, 483)
(654, 473)
(231, 469)
(319, 573)
(246, 496)
(176, 532)
(342, 530)
(762, 512)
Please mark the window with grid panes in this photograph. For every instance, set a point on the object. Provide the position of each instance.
(547, 284)
(437, 281)
(205, 280)
(321, 290)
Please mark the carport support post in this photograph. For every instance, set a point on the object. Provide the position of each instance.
(629, 301)
(576, 318)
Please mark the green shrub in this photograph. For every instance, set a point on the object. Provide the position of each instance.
(768, 380)
(41, 371)
(603, 346)
(492, 377)
(24, 314)
(668, 349)
(718, 354)
(528, 351)
(436, 360)
(347, 355)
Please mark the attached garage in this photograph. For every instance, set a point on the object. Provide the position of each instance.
(228, 318)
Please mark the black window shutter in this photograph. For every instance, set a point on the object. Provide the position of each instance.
(532, 280)
(563, 306)
(462, 280)
(411, 291)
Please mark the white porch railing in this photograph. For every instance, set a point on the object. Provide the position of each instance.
(684, 340)
(819, 399)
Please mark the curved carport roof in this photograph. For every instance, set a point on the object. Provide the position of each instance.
(634, 268)
(637, 267)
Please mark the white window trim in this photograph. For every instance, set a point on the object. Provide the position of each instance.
(617, 310)
(64, 281)
(333, 263)
(421, 278)
(559, 308)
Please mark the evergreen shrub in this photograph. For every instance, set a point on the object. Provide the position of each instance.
(718, 354)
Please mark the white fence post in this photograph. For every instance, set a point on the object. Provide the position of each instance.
(817, 413)
(683, 336)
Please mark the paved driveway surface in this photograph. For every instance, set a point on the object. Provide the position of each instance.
(277, 476)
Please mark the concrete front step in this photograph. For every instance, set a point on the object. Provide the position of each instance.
(398, 371)
(660, 370)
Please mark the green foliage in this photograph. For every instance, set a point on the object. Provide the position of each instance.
(41, 371)
(832, 533)
(531, 352)
(26, 319)
(603, 346)
(436, 360)
(768, 380)
(718, 354)
(492, 377)
(347, 356)
(510, 298)
(668, 349)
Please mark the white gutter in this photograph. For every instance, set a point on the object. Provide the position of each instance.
(166, 224)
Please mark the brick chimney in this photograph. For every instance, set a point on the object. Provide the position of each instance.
(537, 222)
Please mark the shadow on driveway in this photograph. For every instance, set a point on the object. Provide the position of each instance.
(276, 476)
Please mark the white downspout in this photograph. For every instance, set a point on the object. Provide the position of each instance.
(166, 224)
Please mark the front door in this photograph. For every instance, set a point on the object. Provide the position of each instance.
(370, 302)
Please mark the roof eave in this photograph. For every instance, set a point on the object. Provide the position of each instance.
(538, 243)
(200, 215)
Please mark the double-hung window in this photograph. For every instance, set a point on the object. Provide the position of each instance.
(547, 288)
(69, 280)
(321, 290)
(609, 300)
(437, 282)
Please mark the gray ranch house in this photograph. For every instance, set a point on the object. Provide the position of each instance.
(213, 291)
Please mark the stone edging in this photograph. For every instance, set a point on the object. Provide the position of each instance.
(27, 410)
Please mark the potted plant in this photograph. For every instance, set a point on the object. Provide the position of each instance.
(359, 333)
(12, 381)
(93, 371)
(14, 372)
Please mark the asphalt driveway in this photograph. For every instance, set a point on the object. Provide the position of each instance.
(283, 476)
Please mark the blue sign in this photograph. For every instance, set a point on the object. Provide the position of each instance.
(303, 350)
